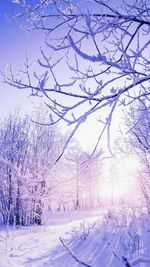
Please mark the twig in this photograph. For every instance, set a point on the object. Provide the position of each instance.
(133, 262)
(126, 262)
(72, 255)
(123, 259)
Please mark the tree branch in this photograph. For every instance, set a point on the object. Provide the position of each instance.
(72, 255)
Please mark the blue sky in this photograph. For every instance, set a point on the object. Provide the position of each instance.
(13, 39)
(14, 44)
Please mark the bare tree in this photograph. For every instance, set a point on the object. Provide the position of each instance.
(136, 141)
(137, 121)
(101, 48)
(45, 146)
(13, 148)
(27, 155)
(86, 177)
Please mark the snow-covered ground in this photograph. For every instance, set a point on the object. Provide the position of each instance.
(74, 239)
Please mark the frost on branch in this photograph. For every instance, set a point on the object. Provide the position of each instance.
(93, 61)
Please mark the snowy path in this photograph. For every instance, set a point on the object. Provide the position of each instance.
(31, 246)
(40, 246)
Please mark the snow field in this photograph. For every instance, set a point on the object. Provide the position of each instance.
(89, 237)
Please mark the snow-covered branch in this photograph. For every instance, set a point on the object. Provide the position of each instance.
(92, 60)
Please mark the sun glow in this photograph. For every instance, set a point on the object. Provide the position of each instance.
(120, 179)
(128, 165)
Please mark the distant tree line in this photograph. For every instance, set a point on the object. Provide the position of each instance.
(31, 182)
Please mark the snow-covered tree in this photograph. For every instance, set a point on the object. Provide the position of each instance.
(138, 141)
(28, 152)
(86, 177)
(14, 134)
(45, 146)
